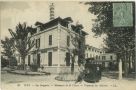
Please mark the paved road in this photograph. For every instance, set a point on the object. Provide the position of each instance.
(22, 82)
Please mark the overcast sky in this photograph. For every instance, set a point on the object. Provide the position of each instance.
(14, 12)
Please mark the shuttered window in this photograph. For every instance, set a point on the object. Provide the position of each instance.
(38, 43)
(68, 40)
(50, 39)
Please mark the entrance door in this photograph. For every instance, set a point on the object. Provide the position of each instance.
(49, 58)
(38, 60)
(29, 58)
(67, 59)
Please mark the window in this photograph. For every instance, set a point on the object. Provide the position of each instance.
(68, 40)
(50, 39)
(90, 55)
(99, 57)
(111, 57)
(87, 55)
(103, 57)
(37, 43)
(89, 48)
(96, 56)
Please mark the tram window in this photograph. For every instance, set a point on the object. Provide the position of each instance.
(103, 57)
(111, 57)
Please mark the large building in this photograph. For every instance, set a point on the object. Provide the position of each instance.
(53, 41)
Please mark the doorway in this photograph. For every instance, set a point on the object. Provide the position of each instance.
(67, 59)
(38, 60)
(29, 58)
(49, 58)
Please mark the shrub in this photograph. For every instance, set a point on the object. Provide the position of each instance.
(13, 61)
(34, 67)
(4, 62)
(20, 67)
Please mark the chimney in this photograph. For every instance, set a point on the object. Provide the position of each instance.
(69, 26)
(38, 29)
(52, 11)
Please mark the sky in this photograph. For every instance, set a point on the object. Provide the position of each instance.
(11, 13)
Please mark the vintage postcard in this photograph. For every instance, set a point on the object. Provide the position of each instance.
(73, 45)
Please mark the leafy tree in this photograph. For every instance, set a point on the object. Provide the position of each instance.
(119, 40)
(8, 49)
(23, 43)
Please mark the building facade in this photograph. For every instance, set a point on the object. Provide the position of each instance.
(53, 41)
(99, 54)
(93, 52)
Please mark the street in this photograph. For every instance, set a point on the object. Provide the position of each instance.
(11, 81)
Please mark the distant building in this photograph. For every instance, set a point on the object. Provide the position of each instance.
(99, 54)
(93, 52)
(108, 56)
(52, 42)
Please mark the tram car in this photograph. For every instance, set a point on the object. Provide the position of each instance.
(93, 70)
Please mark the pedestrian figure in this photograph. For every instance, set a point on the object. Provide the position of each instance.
(81, 74)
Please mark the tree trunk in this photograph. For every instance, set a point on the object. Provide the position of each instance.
(129, 64)
(9, 63)
(125, 65)
(72, 65)
(134, 63)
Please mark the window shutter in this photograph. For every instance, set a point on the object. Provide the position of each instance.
(50, 39)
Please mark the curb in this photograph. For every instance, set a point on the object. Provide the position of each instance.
(40, 74)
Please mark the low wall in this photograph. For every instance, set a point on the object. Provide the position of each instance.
(59, 69)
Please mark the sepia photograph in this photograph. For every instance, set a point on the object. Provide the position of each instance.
(62, 44)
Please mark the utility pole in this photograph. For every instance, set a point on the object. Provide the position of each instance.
(135, 54)
(120, 69)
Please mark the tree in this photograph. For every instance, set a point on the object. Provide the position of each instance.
(119, 40)
(77, 41)
(23, 43)
(8, 50)
(4, 62)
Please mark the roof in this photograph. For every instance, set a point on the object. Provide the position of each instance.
(92, 47)
(64, 22)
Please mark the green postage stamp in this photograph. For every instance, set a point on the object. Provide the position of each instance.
(122, 14)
